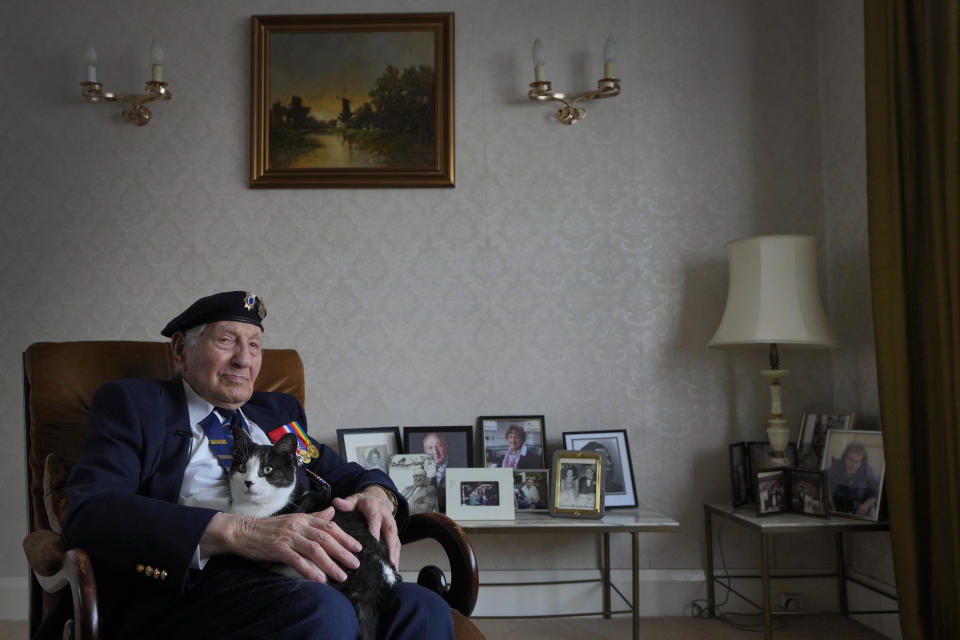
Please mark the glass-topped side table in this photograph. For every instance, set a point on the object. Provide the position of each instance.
(785, 524)
(632, 521)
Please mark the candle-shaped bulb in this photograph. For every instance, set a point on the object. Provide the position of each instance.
(90, 61)
(156, 52)
(538, 61)
(609, 57)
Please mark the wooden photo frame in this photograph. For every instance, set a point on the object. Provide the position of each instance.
(352, 100)
(808, 493)
(370, 447)
(813, 435)
(480, 494)
(500, 434)
(770, 494)
(620, 489)
(531, 489)
(578, 481)
(855, 465)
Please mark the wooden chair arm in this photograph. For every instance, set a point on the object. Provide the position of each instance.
(55, 569)
(461, 594)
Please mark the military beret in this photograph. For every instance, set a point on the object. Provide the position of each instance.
(238, 306)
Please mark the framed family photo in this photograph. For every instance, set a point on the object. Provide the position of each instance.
(813, 435)
(578, 484)
(370, 447)
(352, 100)
(619, 486)
(854, 464)
(771, 491)
(808, 493)
(531, 489)
(480, 494)
(515, 442)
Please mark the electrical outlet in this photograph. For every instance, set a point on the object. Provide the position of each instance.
(789, 601)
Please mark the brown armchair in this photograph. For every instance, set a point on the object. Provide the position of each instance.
(60, 379)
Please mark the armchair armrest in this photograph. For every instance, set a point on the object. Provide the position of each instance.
(461, 593)
(55, 569)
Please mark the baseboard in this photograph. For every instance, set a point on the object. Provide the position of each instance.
(13, 598)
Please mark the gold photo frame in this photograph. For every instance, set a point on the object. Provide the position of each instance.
(578, 480)
(352, 100)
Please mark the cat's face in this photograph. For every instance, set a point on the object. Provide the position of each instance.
(262, 477)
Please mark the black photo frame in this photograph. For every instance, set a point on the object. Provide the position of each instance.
(363, 444)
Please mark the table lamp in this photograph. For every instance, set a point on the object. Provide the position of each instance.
(773, 298)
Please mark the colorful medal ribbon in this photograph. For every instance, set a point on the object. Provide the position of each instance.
(306, 450)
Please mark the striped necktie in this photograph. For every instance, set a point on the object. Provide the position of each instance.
(220, 435)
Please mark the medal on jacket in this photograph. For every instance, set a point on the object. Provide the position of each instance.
(306, 450)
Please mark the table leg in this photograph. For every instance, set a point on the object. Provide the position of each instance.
(711, 596)
(765, 585)
(841, 573)
(636, 585)
(605, 570)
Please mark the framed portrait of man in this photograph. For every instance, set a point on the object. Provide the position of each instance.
(450, 447)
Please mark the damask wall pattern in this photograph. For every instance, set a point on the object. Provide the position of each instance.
(576, 272)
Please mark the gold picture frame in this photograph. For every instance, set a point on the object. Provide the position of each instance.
(352, 100)
(574, 493)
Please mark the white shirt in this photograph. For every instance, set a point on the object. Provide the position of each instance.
(204, 480)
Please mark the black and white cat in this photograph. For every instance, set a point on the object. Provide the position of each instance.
(263, 482)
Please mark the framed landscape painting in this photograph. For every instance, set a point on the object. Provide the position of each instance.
(352, 100)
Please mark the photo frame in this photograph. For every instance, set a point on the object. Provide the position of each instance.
(855, 466)
(575, 493)
(370, 447)
(498, 433)
(741, 489)
(449, 446)
(415, 476)
(620, 489)
(352, 100)
(808, 493)
(531, 490)
(480, 494)
(813, 435)
(770, 494)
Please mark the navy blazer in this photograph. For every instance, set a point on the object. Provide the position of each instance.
(123, 492)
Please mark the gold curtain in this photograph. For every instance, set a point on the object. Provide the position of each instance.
(913, 160)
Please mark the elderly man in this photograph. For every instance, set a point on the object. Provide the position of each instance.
(146, 500)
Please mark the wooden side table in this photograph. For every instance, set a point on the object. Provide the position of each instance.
(785, 524)
(632, 521)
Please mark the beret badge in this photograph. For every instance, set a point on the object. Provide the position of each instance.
(251, 299)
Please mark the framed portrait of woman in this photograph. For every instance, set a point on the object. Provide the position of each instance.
(370, 447)
(515, 442)
(854, 463)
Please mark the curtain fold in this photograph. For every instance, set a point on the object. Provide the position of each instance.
(913, 163)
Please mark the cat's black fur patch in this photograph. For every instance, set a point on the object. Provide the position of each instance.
(367, 586)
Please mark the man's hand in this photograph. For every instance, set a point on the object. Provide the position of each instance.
(374, 504)
(309, 542)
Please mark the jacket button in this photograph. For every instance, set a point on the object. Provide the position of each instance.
(148, 571)
(140, 568)
(163, 575)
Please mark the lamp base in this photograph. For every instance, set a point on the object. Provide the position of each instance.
(778, 434)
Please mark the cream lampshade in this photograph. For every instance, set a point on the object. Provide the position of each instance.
(773, 298)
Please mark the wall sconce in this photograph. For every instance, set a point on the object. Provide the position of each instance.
(156, 88)
(607, 87)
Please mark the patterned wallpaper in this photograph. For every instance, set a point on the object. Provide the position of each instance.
(576, 272)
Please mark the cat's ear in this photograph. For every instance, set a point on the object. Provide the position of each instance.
(287, 443)
(240, 437)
